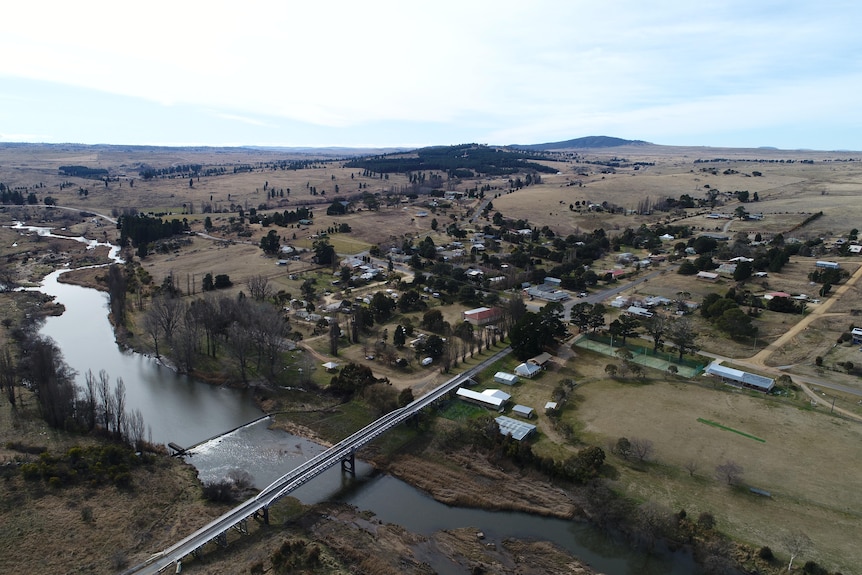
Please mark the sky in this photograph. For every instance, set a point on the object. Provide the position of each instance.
(403, 73)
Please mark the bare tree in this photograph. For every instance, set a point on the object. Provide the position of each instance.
(153, 328)
(117, 293)
(683, 335)
(7, 375)
(120, 407)
(642, 448)
(796, 543)
(259, 288)
(240, 344)
(691, 466)
(167, 311)
(729, 471)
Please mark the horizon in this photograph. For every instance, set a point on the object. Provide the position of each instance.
(390, 75)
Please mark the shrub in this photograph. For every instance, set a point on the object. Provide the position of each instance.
(766, 554)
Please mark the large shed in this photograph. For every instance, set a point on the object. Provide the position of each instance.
(490, 398)
(741, 378)
(517, 429)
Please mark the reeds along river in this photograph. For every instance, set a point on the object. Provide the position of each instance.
(182, 410)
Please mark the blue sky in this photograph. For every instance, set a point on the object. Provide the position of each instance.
(399, 73)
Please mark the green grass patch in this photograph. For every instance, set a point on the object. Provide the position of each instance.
(460, 411)
(720, 426)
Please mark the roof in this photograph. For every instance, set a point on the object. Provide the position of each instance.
(330, 365)
(504, 377)
(527, 369)
(541, 359)
(707, 275)
(518, 429)
(523, 410)
(498, 393)
(551, 405)
(743, 377)
(480, 397)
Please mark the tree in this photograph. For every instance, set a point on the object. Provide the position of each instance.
(655, 327)
(270, 243)
(796, 543)
(399, 338)
(736, 323)
(324, 253)
(682, 334)
(259, 288)
(117, 289)
(382, 306)
(729, 471)
(623, 448)
(742, 272)
(432, 320)
(334, 336)
(642, 448)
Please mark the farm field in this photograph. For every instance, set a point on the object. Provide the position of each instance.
(808, 461)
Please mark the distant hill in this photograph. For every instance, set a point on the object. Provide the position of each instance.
(581, 143)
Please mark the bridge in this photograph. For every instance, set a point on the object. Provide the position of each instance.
(342, 452)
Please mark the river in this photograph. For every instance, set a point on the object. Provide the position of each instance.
(191, 413)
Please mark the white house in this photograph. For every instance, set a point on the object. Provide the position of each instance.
(527, 370)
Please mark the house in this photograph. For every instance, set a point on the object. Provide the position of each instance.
(550, 405)
(639, 311)
(549, 290)
(727, 269)
(505, 378)
(517, 429)
(490, 398)
(740, 378)
(523, 411)
(775, 294)
(481, 315)
(527, 370)
(708, 276)
(666, 237)
(541, 359)
(855, 249)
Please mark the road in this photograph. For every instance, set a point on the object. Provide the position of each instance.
(173, 555)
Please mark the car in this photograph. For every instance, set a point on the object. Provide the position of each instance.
(427, 361)
(582, 294)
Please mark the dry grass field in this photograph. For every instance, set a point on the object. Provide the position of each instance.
(809, 461)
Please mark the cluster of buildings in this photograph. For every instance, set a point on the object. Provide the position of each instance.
(498, 400)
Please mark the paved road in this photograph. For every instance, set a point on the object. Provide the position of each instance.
(297, 477)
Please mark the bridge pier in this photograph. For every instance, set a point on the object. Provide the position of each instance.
(221, 539)
(348, 463)
(264, 512)
(242, 527)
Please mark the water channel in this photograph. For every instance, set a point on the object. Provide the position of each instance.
(181, 410)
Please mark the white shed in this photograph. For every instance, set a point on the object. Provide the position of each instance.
(505, 378)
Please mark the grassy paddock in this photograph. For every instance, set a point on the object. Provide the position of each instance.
(812, 482)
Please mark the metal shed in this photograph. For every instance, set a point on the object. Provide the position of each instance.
(518, 429)
(505, 378)
(523, 411)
